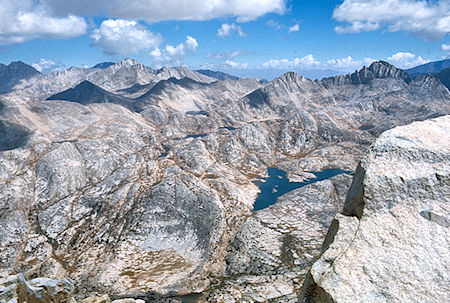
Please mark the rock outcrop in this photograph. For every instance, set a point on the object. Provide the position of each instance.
(273, 250)
(391, 242)
(16, 289)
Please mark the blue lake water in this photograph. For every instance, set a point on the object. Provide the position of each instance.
(277, 184)
(197, 113)
(228, 127)
(195, 136)
(163, 154)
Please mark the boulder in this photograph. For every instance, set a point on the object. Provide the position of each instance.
(391, 242)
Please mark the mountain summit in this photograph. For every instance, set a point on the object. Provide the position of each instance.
(13, 73)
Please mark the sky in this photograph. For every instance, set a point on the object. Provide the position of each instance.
(257, 38)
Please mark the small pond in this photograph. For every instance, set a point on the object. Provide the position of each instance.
(163, 154)
(228, 127)
(195, 136)
(277, 184)
(197, 113)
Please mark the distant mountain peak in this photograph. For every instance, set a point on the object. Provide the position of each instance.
(217, 75)
(377, 70)
(87, 92)
(429, 68)
(291, 76)
(129, 62)
(103, 65)
(383, 69)
(13, 73)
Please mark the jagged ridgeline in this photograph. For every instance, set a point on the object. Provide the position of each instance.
(123, 181)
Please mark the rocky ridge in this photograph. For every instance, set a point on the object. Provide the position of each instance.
(390, 244)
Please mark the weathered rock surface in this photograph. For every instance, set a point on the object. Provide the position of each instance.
(16, 289)
(38, 290)
(273, 250)
(391, 242)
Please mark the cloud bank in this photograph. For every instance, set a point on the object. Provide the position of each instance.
(429, 20)
(156, 10)
(24, 20)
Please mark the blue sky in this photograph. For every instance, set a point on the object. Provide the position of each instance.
(259, 38)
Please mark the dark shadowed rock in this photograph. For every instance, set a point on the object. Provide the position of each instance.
(103, 65)
(429, 68)
(87, 93)
(12, 136)
(217, 75)
(13, 73)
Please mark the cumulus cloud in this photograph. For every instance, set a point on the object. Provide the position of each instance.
(429, 20)
(123, 37)
(236, 65)
(348, 63)
(174, 55)
(294, 28)
(226, 30)
(406, 60)
(157, 10)
(306, 62)
(46, 66)
(24, 20)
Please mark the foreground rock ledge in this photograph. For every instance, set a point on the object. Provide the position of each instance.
(391, 242)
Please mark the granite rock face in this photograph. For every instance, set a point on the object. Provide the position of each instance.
(391, 242)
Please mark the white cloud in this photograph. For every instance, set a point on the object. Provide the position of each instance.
(157, 10)
(357, 27)
(24, 20)
(226, 30)
(306, 62)
(445, 47)
(236, 64)
(294, 28)
(191, 44)
(406, 60)
(123, 37)
(174, 55)
(429, 20)
(348, 64)
(46, 66)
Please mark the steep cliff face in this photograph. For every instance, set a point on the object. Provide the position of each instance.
(391, 242)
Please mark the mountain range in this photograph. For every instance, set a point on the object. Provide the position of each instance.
(429, 68)
(136, 182)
